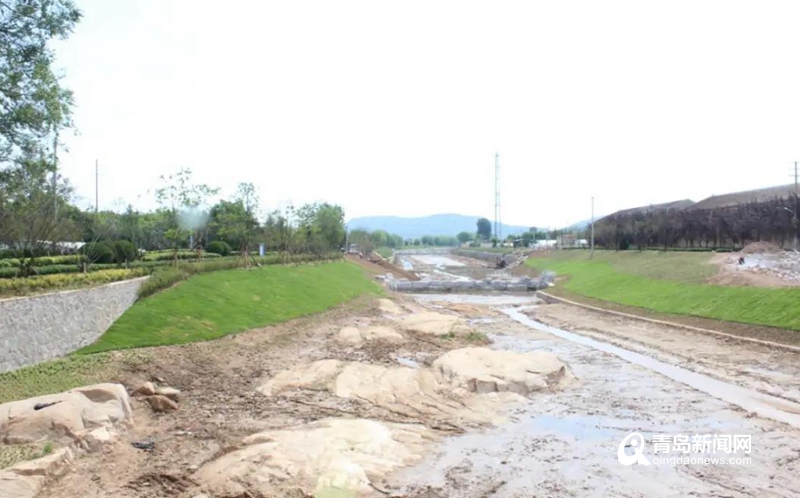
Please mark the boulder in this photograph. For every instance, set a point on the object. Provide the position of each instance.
(161, 404)
(348, 454)
(484, 370)
(64, 417)
(435, 324)
(26, 479)
(355, 335)
(169, 392)
(146, 389)
(97, 440)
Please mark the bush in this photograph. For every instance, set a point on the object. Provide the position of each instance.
(23, 286)
(99, 252)
(125, 251)
(219, 247)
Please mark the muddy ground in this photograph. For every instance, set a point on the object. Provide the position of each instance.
(560, 442)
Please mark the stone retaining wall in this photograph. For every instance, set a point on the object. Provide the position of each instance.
(38, 328)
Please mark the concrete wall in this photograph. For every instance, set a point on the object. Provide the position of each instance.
(38, 328)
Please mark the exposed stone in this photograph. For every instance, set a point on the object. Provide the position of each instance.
(348, 454)
(98, 439)
(26, 479)
(169, 392)
(146, 389)
(484, 370)
(389, 306)
(435, 324)
(161, 404)
(73, 415)
(355, 335)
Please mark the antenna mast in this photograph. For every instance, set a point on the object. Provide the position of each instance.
(498, 224)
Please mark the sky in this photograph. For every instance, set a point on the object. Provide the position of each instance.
(398, 108)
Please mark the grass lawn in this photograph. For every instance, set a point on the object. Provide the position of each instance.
(670, 283)
(215, 304)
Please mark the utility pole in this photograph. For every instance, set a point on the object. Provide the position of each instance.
(497, 221)
(55, 178)
(96, 186)
(591, 255)
(796, 207)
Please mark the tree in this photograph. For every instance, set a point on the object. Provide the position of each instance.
(484, 228)
(33, 106)
(235, 221)
(183, 201)
(28, 223)
(465, 237)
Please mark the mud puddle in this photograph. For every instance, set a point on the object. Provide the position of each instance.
(752, 401)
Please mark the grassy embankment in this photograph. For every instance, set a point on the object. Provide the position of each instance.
(671, 282)
(385, 252)
(204, 307)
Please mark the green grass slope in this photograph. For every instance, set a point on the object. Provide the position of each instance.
(669, 283)
(215, 304)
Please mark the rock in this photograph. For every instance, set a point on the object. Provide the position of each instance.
(98, 439)
(146, 389)
(545, 279)
(484, 370)
(26, 479)
(435, 324)
(161, 404)
(354, 335)
(331, 453)
(74, 415)
(169, 392)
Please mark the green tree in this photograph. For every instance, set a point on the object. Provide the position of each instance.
(33, 105)
(464, 237)
(183, 201)
(484, 228)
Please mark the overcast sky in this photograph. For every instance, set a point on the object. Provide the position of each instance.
(399, 107)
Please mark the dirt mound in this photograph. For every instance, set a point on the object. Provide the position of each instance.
(67, 417)
(483, 370)
(356, 335)
(433, 323)
(761, 247)
(348, 454)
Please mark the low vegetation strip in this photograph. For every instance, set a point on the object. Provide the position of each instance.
(687, 267)
(215, 304)
(12, 287)
(600, 279)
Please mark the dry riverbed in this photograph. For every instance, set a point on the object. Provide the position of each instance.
(421, 396)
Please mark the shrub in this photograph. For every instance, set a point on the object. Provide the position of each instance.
(219, 247)
(23, 286)
(99, 252)
(125, 251)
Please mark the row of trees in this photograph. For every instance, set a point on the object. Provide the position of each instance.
(734, 226)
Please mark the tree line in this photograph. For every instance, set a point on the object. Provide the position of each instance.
(725, 227)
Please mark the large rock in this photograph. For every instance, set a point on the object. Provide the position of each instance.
(26, 479)
(484, 370)
(74, 414)
(359, 335)
(348, 454)
(435, 324)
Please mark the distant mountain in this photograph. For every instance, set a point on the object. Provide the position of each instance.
(437, 224)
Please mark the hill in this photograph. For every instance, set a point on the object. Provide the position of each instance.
(437, 224)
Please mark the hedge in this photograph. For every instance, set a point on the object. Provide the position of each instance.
(31, 285)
